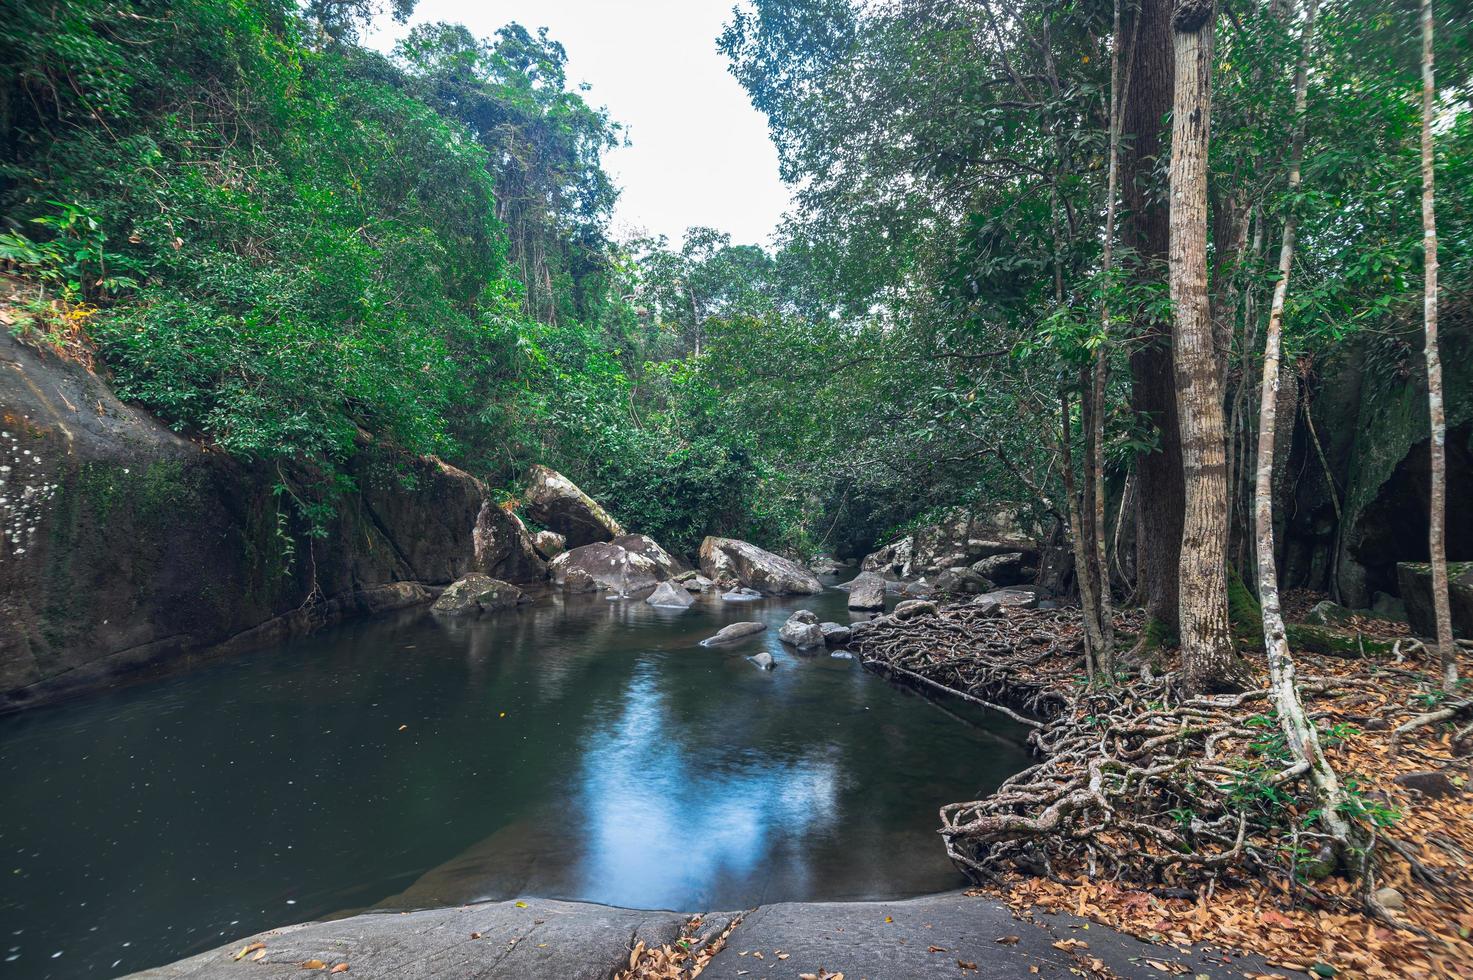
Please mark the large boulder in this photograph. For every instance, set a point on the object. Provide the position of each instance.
(914, 609)
(802, 630)
(962, 580)
(1415, 581)
(645, 546)
(555, 501)
(476, 593)
(867, 592)
(960, 537)
(730, 562)
(835, 634)
(1012, 568)
(670, 595)
(503, 546)
(606, 567)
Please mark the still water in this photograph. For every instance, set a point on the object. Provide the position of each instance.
(578, 748)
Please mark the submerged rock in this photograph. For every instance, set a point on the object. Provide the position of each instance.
(730, 562)
(604, 566)
(670, 595)
(733, 632)
(763, 660)
(741, 595)
(555, 501)
(802, 631)
(867, 592)
(477, 593)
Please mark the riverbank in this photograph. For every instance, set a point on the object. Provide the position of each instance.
(951, 934)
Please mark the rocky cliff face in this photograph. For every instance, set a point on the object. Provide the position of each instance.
(122, 544)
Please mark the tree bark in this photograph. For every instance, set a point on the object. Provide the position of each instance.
(1436, 530)
(1208, 658)
(1300, 734)
(1144, 231)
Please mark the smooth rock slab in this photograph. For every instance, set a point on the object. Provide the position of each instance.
(736, 631)
(854, 938)
(546, 939)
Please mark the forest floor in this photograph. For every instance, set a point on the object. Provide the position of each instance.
(1157, 857)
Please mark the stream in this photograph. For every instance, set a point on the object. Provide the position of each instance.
(578, 748)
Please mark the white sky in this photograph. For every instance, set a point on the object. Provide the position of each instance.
(700, 153)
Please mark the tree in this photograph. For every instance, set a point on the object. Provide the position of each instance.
(1437, 523)
(1209, 659)
(1300, 734)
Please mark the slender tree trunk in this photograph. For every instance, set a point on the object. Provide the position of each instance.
(1080, 541)
(1208, 657)
(1436, 533)
(1144, 232)
(1300, 734)
(1096, 467)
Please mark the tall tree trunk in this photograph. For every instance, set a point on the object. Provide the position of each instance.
(1208, 658)
(1096, 465)
(1436, 533)
(1300, 734)
(1144, 231)
(1080, 541)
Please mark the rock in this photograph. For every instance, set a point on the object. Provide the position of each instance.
(867, 592)
(1328, 613)
(645, 546)
(477, 593)
(730, 562)
(549, 544)
(919, 589)
(835, 634)
(604, 566)
(1432, 784)
(1385, 606)
(1016, 597)
(913, 608)
(1390, 898)
(824, 565)
(763, 660)
(554, 501)
(670, 595)
(1011, 568)
(802, 631)
(1415, 582)
(741, 595)
(986, 605)
(503, 546)
(962, 580)
(842, 655)
(959, 538)
(733, 632)
(696, 583)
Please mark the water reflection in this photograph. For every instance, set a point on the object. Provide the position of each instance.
(579, 749)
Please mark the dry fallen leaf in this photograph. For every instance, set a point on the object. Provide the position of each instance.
(966, 965)
(340, 968)
(935, 949)
(475, 935)
(403, 728)
(260, 955)
(313, 965)
(1007, 940)
(249, 949)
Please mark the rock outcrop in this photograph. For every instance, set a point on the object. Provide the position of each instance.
(730, 562)
(959, 539)
(645, 547)
(555, 502)
(604, 566)
(1415, 580)
(478, 593)
(125, 545)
